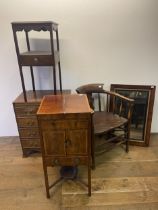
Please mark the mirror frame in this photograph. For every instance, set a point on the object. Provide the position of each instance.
(147, 130)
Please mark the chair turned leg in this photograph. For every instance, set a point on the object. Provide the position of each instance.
(127, 145)
(127, 137)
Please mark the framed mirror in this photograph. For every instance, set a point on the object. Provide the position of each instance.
(143, 96)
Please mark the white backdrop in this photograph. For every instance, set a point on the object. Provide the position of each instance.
(109, 41)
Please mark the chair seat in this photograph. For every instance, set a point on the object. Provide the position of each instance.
(107, 121)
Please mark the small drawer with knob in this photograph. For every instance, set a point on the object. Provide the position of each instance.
(66, 161)
(36, 59)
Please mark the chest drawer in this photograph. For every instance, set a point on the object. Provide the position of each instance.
(64, 124)
(30, 143)
(29, 133)
(27, 122)
(25, 110)
(66, 161)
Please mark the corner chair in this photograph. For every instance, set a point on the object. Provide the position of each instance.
(111, 118)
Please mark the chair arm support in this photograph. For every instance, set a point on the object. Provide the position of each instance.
(119, 96)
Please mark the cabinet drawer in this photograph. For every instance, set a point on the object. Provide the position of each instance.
(30, 143)
(25, 110)
(64, 124)
(27, 122)
(36, 60)
(29, 133)
(66, 161)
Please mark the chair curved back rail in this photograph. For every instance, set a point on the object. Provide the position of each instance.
(111, 118)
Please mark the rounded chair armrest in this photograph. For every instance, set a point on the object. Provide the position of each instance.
(91, 88)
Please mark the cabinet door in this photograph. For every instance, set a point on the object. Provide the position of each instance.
(76, 142)
(54, 142)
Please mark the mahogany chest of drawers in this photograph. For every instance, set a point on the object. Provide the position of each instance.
(25, 113)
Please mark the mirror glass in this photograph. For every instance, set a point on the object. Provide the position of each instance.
(139, 114)
(143, 105)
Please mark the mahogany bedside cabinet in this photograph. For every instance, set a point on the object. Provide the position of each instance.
(65, 126)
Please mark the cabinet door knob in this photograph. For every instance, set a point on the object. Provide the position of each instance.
(67, 142)
(53, 123)
(30, 123)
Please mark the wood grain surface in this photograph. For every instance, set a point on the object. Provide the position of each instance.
(120, 181)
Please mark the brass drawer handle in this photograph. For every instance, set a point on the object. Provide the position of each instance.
(77, 161)
(32, 134)
(32, 111)
(30, 123)
(55, 162)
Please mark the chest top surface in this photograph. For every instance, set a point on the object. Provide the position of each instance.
(64, 104)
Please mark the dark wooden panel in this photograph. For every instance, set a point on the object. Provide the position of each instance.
(77, 142)
(54, 142)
